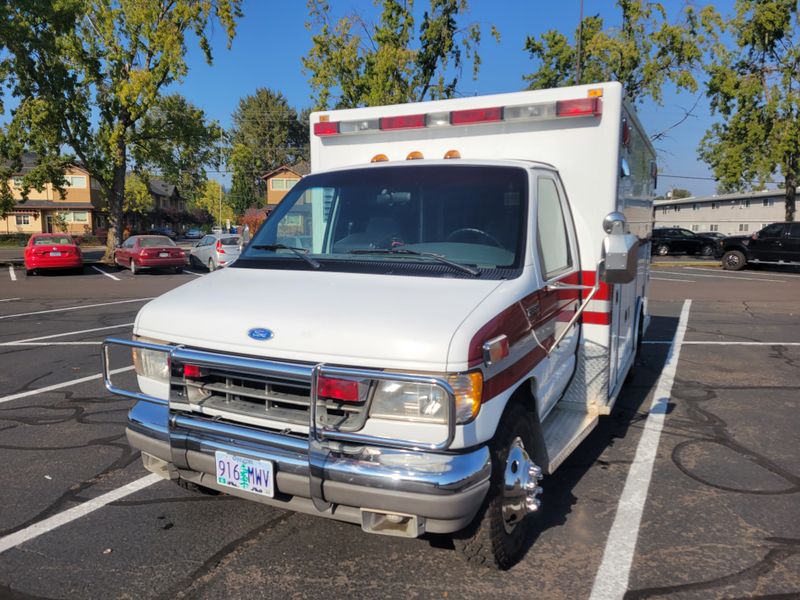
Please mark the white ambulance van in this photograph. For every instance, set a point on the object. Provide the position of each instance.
(426, 327)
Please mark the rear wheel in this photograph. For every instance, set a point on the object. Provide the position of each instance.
(211, 265)
(29, 272)
(662, 249)
(134, 267)
(499, 534)
(179, 269)
(733, 260)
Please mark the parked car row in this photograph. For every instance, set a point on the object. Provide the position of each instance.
(676, 240)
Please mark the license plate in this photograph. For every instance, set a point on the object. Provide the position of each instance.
(247, 474)
(55, 254)
(163, 254)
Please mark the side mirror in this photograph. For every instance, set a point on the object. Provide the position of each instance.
(754, 236)
(620, 251)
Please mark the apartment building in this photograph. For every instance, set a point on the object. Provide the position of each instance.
(47, 211)
(729, 214)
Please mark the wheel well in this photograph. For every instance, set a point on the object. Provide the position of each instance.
(525, 396)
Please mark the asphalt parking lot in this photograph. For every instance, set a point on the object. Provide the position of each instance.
(690, 489)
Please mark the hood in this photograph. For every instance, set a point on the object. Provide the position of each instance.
(347, 319)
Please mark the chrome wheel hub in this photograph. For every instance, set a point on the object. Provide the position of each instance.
(520, 486)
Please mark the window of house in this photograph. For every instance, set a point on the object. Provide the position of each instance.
(677, 209)
(23, 219)
(290, 183)
(695, 207)
(665, 210)
(76, 181)
(714, 205)
(746, 203)
(553, 241)
(80, 217)
(713, 227)
(744, 227)
(278, 184)
(695, 227)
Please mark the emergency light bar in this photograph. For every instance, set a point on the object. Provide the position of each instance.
(542, 111)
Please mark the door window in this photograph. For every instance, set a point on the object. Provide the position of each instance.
(771, 231)
(552, 230)
(794, 231)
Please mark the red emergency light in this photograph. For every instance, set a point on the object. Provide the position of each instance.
(345, 390)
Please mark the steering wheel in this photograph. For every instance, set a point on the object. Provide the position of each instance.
(480, 232)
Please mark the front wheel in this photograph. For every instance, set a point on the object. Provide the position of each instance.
(707, 250)
(499, 534)
(662, 249)
(733, 260)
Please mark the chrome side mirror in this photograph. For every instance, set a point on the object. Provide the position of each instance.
(620, 250)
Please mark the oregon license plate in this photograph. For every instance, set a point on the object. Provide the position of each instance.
(247, 474)
(55, 254)
(163, 254)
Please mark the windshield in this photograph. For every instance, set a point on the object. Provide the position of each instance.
(397, 217)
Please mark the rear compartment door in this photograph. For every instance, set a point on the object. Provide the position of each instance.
(556, 253)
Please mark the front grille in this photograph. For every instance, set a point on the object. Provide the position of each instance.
(222, 390)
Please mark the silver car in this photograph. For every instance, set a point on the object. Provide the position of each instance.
(216, 250)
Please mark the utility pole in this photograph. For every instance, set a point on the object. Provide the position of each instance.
(580, 40)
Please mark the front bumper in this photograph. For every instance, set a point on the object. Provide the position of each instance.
(442, 490)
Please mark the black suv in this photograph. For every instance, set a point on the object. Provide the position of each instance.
(777, 243)
(674, 240)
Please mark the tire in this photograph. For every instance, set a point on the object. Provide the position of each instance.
(495, 539)
(178, 270)
(30, 272)
(662, 249)
(134, 268)
(211, 266)
(733, 260)
(707, 250)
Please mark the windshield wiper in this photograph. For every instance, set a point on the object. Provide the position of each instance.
(301, 252)
(409, 252)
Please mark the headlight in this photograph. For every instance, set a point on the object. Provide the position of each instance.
(152, 364)
(426, 402)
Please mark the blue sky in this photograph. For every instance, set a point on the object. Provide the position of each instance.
(272, 39)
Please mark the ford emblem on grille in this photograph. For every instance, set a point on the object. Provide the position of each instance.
(261, 334)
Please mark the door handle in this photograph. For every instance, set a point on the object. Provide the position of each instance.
(532, 310)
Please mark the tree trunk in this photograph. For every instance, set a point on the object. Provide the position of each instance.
(115, 203)
(791, 189)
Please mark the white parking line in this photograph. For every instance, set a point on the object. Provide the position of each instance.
(37, 529)
(11, 273)
(192, 273)
(611, 581)
(665, 279)
(738, 278)
(734, 343)
(58, 386)
(55, 335)
(9, 299)
(50, 344)
(99, 270)
(52, 310)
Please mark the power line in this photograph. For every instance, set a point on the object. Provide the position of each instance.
(711, 178)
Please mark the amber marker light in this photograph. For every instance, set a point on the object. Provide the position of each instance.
(452, 154)
(415, 155)
(379, 158)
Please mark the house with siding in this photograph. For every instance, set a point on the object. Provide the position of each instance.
(45, 209)
(279, 181)
(729, 214)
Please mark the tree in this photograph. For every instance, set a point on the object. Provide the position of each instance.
(212, 200)
(755, 87)
(89, 74)
(353, 63)
(138, 198)
(267, 133)
(645, 53)
(678, 193)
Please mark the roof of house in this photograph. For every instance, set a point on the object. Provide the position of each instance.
(159, 187)
(39, 204)
(723, 197)
(300, 169)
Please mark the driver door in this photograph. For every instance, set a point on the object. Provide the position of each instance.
(767, 245)
(556, 253)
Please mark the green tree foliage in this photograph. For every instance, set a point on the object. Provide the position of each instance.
(755, 87)
(138, 198)
(89, 74)
(678, 193)
(645, 53)
(211, 198)
(266, 134)
(354, 63)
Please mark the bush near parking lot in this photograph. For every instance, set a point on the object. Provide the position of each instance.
(90, 240)
(14, 239)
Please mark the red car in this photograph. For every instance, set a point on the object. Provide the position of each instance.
(52, 251)
(150, 252)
